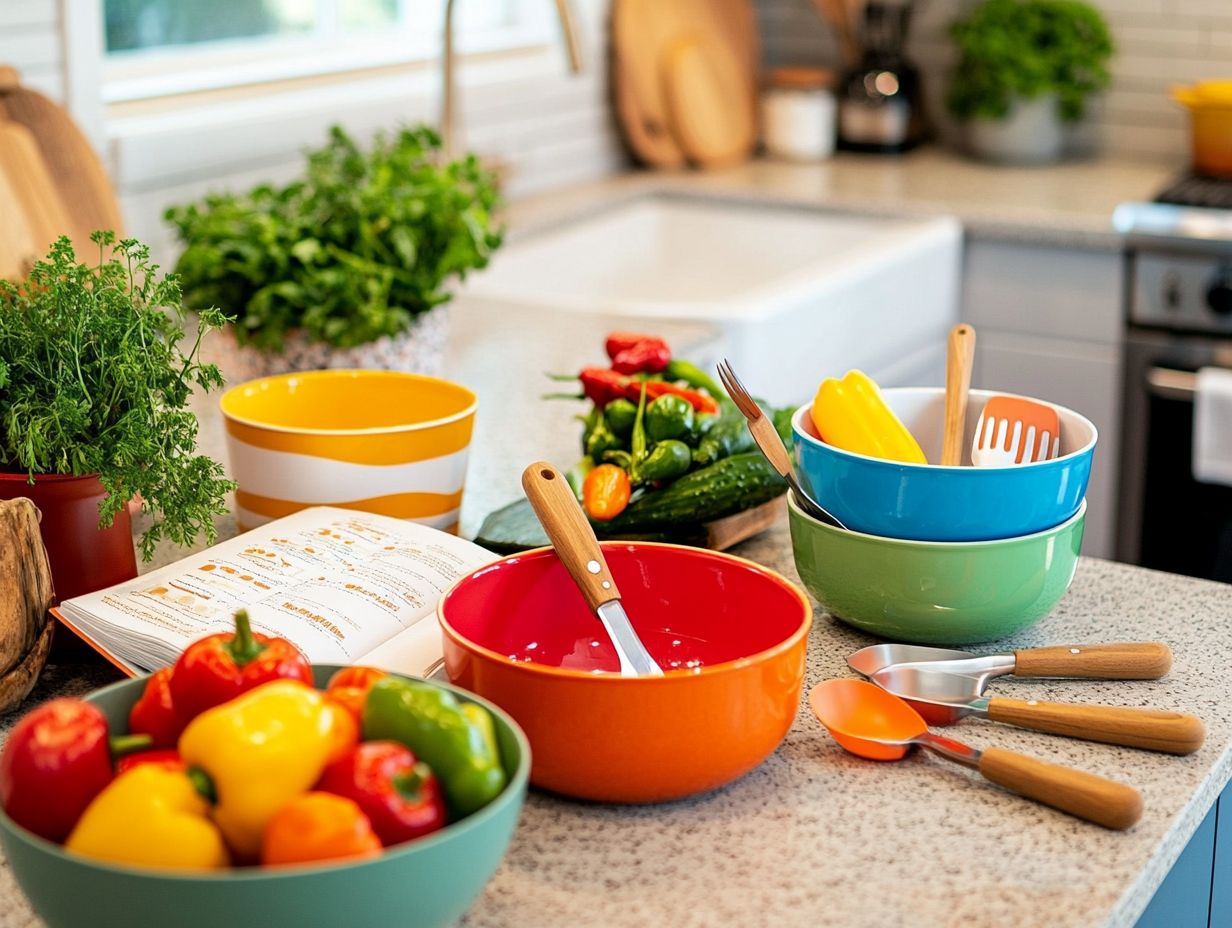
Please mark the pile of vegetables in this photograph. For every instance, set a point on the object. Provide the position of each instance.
(234, 758)
(663, 444)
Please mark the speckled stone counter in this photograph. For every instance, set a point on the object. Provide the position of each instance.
(1064, 205)
(814, 836)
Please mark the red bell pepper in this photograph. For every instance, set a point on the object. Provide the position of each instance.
(57, 758)
(154, 713)
(220, 667)
(400, 794)
(166, 757)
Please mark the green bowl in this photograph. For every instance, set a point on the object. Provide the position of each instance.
(431, 881)
(935, 592)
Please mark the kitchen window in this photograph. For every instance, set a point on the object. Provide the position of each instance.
(161, 48)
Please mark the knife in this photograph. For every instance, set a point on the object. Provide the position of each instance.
(943, 698)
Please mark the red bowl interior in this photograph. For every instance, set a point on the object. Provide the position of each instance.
(691, 608)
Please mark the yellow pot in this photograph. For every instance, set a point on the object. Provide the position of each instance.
(378, 441)
(1210, 113)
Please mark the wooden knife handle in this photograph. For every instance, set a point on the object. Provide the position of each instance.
(572, 537)
(1094, 798)
(1145, 661)
(1151, 729)
(959, 358)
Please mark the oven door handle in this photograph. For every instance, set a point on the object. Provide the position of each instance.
(1171, 385)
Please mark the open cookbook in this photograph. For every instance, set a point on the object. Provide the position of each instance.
(345, 587)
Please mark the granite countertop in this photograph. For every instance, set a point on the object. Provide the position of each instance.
(814, 836)
(1065, 205)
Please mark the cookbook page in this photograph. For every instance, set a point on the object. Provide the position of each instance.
(337, 583)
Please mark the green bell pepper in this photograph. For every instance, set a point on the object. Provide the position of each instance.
(669, 417)
(456, 739)
(669, 460)
(620, 414)
(730, 435)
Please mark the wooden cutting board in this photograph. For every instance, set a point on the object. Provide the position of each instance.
(39, 202)
(85, 194)
(707, 103)
(647, 35)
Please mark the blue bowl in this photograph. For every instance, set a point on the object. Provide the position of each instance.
(928, 502)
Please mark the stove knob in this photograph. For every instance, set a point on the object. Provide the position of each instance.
(1219, 294)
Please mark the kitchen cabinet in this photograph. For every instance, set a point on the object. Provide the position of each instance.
(1197, 893)
(1049, 323)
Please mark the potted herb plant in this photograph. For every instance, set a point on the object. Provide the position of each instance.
(94, 389)
(347, 267)
(1025, 69)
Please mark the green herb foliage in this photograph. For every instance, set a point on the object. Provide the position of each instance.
(354, 251)
(93, 380)
(1027, 48)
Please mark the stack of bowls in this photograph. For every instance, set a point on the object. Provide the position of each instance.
(940, 555)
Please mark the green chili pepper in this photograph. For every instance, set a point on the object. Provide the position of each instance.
(620, 414)
(668, 417)
(576, 474)
(601, 439)
(669, 460)
(695, 377)
(456, 739)
(726, 437)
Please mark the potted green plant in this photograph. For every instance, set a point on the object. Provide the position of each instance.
(349, 266)
(94, 390)
(1025, 69)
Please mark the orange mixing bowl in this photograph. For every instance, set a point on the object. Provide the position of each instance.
(730, 635)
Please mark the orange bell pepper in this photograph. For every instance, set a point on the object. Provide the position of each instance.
(350, 685)
(318, 827)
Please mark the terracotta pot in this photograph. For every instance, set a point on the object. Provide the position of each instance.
(83, 557)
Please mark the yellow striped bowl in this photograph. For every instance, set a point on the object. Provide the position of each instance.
(379, 441)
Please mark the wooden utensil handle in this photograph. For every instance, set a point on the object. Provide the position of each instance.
(1094, 798)
(1152, 729)
(575, 542)
(1144, 661)
(959, 358)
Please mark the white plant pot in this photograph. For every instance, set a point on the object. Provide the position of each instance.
(418, 350)
(1032, 133)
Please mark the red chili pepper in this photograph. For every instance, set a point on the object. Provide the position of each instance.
(645, 358)
(634, 353)
(601, 386)
(700, 402)
(400, 794)
(167, 757)
(220, 667)
(56, 760)
(154, 713)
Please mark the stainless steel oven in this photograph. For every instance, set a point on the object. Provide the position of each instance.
(1178, 284)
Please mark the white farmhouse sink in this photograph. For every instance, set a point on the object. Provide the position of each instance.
(788, 294)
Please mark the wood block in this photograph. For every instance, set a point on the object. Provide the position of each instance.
(25, 595)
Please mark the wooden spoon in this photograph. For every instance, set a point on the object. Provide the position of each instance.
(959, 358)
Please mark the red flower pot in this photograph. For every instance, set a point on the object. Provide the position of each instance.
(83, 557)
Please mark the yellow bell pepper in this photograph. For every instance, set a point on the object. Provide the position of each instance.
(262, 749)
(850, 413)
(150, 816)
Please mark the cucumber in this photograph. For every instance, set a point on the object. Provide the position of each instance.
(731, 485)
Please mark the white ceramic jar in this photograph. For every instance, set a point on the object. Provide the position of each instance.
(798, 114)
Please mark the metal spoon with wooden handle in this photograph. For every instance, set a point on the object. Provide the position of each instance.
(959, 358)
(578, 549)
(944, 698)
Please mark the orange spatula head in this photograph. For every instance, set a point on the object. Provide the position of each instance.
(1013, 430)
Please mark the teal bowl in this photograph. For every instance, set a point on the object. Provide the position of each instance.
(427, 882)
(945, 593)
(931, 502)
